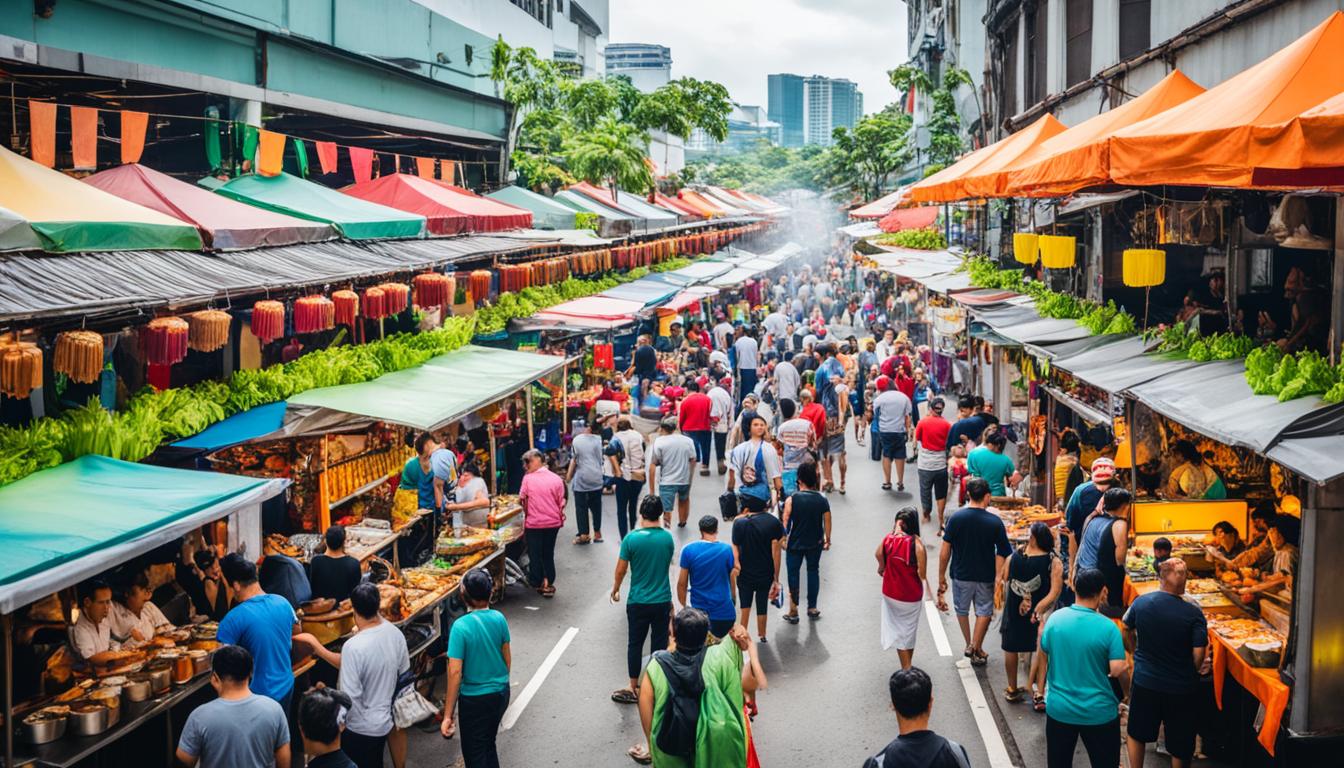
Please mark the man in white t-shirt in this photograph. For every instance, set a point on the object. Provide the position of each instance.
(777, 325)
(721, 417)
(891, 409)
(723, 334)
(671, 465)
(798, 437)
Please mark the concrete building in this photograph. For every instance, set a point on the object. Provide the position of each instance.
(571, 32)
(944, 35)
(784, 105)
(647, 65)
(747, 126)
(809, 108)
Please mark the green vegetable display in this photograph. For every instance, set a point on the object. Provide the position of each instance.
(928, 239)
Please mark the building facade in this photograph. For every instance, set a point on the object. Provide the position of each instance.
(809, 108)
(784, 106)
(748, 125)
(648, 66)
(945, 34)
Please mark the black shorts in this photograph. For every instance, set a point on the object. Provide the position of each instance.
(746, 591)
(1149, 709)
(893, 445)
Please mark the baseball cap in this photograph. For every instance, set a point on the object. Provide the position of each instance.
(883, 383)
(1103, 469)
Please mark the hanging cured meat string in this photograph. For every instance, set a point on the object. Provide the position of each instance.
(268, 320)
(375, 303)
(20, 368)
(209, 329)
(313, 314)
(397, 297)
(164, 340)
(433, 290)
(79, 355)
(347, 307)
(480, 285)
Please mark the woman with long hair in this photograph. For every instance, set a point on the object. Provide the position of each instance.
(903, 565)
(1033, 577)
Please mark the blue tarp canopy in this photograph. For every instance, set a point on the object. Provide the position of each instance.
(238, 428)
(647, 292)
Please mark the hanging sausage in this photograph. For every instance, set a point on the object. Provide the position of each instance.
(347, 307)
(209, 329)
(313, 314)
(164, 340)
(268, 320)
(79, 355)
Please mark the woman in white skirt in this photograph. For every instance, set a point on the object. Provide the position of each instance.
(902, 564)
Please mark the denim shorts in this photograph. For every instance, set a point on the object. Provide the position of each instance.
(669, 493)
(979, 592)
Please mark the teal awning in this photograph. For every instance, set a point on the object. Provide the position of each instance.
(354, 218)
(442, 390)
(69, 523)
(546, 213)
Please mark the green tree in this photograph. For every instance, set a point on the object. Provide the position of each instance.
(868, 155)
(944, 124)
(612, 154)
(666, 110)
(589, 101)
(528, 82)
(707, 106)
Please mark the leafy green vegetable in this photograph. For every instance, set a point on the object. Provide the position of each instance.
(928, 239)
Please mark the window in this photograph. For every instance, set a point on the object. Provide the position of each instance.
(1078, 41)
(1135, 27)
(1010, 78)
(1034, 69)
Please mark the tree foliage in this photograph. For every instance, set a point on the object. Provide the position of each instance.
(944, 124)
(611, 153)
(877, 147)
(767, 169)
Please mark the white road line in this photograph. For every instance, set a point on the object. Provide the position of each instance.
(984, 720)
(936, 629)
(515, 709)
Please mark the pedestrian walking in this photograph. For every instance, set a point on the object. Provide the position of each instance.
(917, 746)
(671, 467)
(787, 379)
(263, 624)
(969, 427)
(1170, 638)
(1081, 502)
(370, 663)
(542, 495)
(625, 452)
(799, 440)
(584, 478)
(903, 565)
(891, 411)
(807, 525)
(1104, 544)
(693, 419)
(931, 460)
(1084, 652)
(721, 417)
(322, 714)
(747, 355)
(708, 569)
(239, 729)
(646, 554)
(757, 540)
(479, 661)
(753, 466)
(1033, 577)
(990, 462)
(975, 543)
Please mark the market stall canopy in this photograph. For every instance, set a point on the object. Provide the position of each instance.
(602, 309)
(722, 199)
(975, 174)
(413, 194)
(950, 282)
(1118, 366)
(68, 523)
(645, 291)
(699, 204)
(1023, 325)
(546, 213)
(15, 234)
(734, 199)
(604, 196)
(428, 396)
(689, 297)
(1079, 157)
(1307, 151)
(586, 204)
(678, 206)
(783, 253)
(914, 264)
(487, 215)
(237, 429)
(1209, 139)
(764, 204)
(860, 230)
(354, 218)
(702, 271)
(734, 277)
(580, 238)
(701, 200)
(69, 216)
(881, 206)
(656, 216)
(909, 218)
(1064, 349)
(224, 224)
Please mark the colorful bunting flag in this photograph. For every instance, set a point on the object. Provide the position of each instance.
(133, 125)
(424, 166)
(301, 157)
(326, 155)
(84, 136)
(42, 124)
(448, 171)
(272, 158)
(361, 161)
(250, 138)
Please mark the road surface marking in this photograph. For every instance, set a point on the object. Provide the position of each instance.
(515, 709)
(936, 629)
(984, 719)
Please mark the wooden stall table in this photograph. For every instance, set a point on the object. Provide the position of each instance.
(1262, 683)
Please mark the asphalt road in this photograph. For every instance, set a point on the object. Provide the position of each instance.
(827, 701)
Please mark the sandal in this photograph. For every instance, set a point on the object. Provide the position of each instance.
(548, 592)
(900, 487)
(1014, 695)
(842, 490)
(814, 615)
(640, 754)
(597, 539)
(791, 618)
(886, 486)
(979, 658)
(1038, 702)
(625, 696)
(582, 539)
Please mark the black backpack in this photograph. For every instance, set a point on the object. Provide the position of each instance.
(676, 732)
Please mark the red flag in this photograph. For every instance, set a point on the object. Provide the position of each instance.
(424, 166)
(910, 100)
(42, 124)
(133, 126)
(448, 171)
(271, 157)
(326, 155)
(361, 161)
(84, 136)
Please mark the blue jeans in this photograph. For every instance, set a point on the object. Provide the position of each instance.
(702, 445)
(746, 383)
(627, 504)
(793, 560)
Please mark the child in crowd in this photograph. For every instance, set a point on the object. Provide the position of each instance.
(957, 471)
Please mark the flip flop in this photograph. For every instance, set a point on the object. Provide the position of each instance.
(1014, 695)
(640, 754)
(597, 539)
(549, 592)
(791, 618)
(886, 486)
(1038, 703)
(581, 539)
(814, 615)
(842, 490)
(625, 696)
(979, 659)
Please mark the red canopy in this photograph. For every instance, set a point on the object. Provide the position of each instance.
(908, 218)
(487, 214)
(449, 210)
(677, 206)
(225, 224)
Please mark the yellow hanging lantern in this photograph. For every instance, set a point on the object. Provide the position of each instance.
(1144, 267)
(1025, 246)
(1057, 251)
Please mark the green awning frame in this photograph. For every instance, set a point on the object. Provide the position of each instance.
(72, 522)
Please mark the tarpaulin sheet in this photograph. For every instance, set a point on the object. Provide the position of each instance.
(442, 390)
(983, 297)
(860, 230)
(224, 224)
(15, 234)
(783, 253)
(734, 277)
(948, 283)
(597, 308)
(737, 200)
(1121, 365)
(677, 206)
(773, 208)
(706, 201)
(413, 194)
(1067, 349)
(647, 292)
(881, 206)
(689, 297)
(915, 264)
(1211, 140)
(1316, 458)
(1079, 156)
(974, 174)
(70, 216)
(238, 428)
(586, 204)
(655, 215)
(730, 205)
(581, 238)
(546, 213)
(77, 284)
(67, 523)
(702, 206)
(702, 271)
(355, 219)
(1305, 151)
(498, 216)
(909, 218)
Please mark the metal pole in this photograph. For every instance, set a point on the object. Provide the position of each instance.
(1050, 450)
(564, 398)
(7, 627)
(531, 436)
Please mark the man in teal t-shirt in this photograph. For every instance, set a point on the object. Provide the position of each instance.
(1084, 650)
(646, 553)
(478, 672)
(989, 462)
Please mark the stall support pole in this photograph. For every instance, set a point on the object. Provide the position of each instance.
(1133, 457)
(7, 628)
(1050, 449)
(531, 436)
(564, 399)
(494, 462)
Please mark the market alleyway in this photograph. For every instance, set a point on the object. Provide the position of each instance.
(827, 702)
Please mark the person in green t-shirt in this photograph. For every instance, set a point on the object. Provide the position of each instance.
(479, 660)
(646, 553)
(989, 462)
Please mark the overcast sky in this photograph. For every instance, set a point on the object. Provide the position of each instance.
(739, 42)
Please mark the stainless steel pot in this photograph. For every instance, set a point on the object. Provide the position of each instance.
(200, 662)
(160, 679)
(44, 731)
(89, 723)
(136, 689)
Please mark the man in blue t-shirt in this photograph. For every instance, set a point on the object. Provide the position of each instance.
(1084, 650)
(264, 625)
(969, 425)
(1170, 638)
(708, 568)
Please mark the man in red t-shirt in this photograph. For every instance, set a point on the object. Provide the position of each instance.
(693, 420)
(816, 413)
(931, 462)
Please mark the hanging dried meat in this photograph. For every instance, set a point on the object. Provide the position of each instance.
(313, 314)
(268, 320)
(20, 369)
(375, 303)
(164, 340)
(347, 307)
(397, 296)
(433, 290)
(209, 329)
(480, 285)
(79, 355)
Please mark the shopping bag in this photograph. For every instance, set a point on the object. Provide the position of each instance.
(728, 505)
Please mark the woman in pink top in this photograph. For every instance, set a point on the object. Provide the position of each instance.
(543, 498)
(902, 563)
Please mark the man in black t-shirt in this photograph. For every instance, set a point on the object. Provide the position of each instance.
(757, 538)
(917, 746)
(975, 544)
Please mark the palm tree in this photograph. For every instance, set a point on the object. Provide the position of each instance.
(611, 153)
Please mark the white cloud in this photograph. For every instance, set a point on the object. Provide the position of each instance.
(740, 42)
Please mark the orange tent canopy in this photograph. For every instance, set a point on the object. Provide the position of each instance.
(1078, 157)
(975, 175)
(1207, 141)
(1307, 151)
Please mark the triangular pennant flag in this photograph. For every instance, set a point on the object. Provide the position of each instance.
(133, 126)
(424, 166)
(84, 136)
(361, 161)
(250, 138)
(326, 155)
(42, 125)
(301, 157)
(213, 156)
(271, 160)
(448, 171)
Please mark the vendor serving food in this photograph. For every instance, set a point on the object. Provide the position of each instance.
(91, 635)
(135, 619)
(1258, 553)
(1283, 535)
(471, 493)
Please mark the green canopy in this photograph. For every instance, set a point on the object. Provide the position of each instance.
(442, 390)
(355, 219)
(546, 213)
(66, 524)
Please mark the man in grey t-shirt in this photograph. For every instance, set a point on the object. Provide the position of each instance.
(239, 729)
(671, 465)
